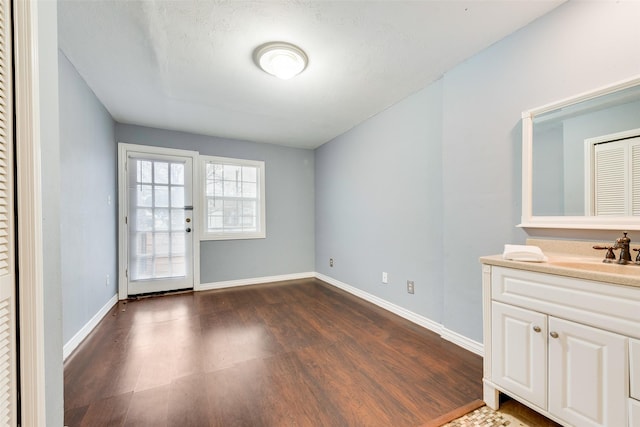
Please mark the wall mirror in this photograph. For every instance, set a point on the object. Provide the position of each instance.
(581, 161)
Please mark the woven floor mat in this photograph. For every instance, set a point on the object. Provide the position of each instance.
(481, 417)
(511, 413)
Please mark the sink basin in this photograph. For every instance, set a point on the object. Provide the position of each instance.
(596, 265)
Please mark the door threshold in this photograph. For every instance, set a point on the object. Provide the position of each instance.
(159, 294)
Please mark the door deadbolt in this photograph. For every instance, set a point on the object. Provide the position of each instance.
(188, 219)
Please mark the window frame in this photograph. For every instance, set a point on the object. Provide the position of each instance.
(205, 234)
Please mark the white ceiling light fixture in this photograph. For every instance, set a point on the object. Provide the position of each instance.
(280, 59)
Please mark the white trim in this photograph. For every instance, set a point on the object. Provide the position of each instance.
(585, 96)
(396, 309)
(528, 220)
(582, 223)
(253, 281)
(123, 255)
(75, 341)
(462, 341)
(447, 334)
(195, 165)
(527, 169)
(589, 166)
(454, 337)
(29, 206)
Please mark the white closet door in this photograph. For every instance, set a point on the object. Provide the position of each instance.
(617, 177)
(635, 176)
(610, 179)
(8, 371)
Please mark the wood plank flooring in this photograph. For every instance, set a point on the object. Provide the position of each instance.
(296, 353)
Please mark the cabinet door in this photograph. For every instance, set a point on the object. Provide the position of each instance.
(634, 413)
(519, 352)
(634, 368)
(588, 375)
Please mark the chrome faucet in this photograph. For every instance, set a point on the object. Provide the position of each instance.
(622, 243)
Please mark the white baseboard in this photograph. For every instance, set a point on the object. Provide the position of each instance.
(253, 281)
(454, 337)
(396, 309)
(75, 341)
(462, 341)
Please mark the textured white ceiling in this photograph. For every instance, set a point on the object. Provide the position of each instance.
(187, 65)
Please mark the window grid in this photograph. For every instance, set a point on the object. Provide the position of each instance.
(233, 198)
(159, 244)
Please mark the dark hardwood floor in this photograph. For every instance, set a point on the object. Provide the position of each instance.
(297, 353)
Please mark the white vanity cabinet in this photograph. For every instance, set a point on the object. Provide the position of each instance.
(565, 347)
(634, 365)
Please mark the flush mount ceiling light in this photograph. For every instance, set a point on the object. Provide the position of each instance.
(280, 59)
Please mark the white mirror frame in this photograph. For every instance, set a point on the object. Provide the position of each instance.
(568, 222)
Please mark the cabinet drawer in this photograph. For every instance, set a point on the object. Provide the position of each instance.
(605, 306)
(634, 368)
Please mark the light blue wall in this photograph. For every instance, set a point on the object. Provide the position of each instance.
(88, 221)
(289, 245)
(577, 47)
(547, 161)
(379, 204)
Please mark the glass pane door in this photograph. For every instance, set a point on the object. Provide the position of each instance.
(159, 223)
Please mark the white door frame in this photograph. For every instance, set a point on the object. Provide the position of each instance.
(123, 208)
(29, 206)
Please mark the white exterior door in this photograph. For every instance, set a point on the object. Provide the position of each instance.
(158, 219)
(587, 375)
(519, 360)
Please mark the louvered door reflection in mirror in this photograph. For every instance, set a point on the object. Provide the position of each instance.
(615, 178)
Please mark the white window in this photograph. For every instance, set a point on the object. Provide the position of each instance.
(234, 201)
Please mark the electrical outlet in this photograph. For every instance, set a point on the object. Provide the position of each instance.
(330, 262)
(385, 277)
(410, 287)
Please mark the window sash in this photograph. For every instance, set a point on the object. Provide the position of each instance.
(233, 196)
